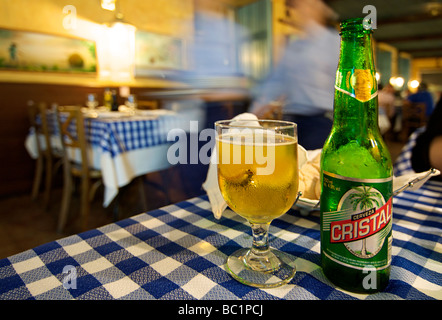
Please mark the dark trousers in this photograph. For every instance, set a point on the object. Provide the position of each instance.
(312, 130)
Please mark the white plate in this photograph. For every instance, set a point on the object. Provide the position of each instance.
(412, 181)
(156, 112)
(111, 115)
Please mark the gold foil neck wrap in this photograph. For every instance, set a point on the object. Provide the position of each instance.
(362, 82)
(357, 83)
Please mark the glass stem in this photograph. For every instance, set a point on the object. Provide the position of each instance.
(259, 257)
(260, 233)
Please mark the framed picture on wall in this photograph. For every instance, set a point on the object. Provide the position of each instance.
(40, 52)
(157, 55)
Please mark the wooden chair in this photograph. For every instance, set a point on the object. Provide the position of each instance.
(49, 159)
(73, 138)
(413, 117)
(148, 104)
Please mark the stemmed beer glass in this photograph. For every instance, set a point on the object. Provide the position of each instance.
(258, 178)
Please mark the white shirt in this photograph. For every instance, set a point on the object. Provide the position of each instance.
(306, 73)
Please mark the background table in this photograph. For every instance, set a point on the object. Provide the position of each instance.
(122, 147)
(178, 252)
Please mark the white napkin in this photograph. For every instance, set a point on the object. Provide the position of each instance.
(211, 184)
(216, 199)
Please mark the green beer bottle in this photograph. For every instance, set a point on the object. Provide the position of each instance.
(356, 174)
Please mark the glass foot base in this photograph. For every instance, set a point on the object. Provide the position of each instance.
(270, 271)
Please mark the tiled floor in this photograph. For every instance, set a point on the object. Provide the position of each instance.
(25, 225)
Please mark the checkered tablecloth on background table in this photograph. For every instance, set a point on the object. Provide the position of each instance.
(116, 135)
(179, 251)
(122, 147)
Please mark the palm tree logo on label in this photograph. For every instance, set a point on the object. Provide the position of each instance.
(364, 233)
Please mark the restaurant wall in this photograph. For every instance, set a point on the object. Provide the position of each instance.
(421, 66)
(168, 17)
(284, 27)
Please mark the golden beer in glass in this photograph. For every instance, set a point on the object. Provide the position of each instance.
(258, 178)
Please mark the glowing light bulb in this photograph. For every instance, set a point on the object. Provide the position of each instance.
(414, 84)
(108, 5)
(378, 76)
(399, 82)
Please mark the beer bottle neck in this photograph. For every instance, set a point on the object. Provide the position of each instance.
(356, 52)
(356, 86)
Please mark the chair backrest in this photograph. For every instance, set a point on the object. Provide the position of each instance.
(72, 133)
(414, 114)
(148, 104)
(39, 121)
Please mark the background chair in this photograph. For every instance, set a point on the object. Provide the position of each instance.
(148, 104)
(49, 159)
(413, 117)
(73, 138)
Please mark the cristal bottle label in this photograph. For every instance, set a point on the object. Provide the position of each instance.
(357, 83)
(356, 232)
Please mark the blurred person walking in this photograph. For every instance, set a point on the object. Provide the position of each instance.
(423, 95)
(302, 83)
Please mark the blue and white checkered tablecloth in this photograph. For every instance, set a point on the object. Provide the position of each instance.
(129, 134)
(179, 251)
(120, 145)
(122, 134)
(402, 164)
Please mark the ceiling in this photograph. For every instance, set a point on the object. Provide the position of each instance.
(412, 26)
